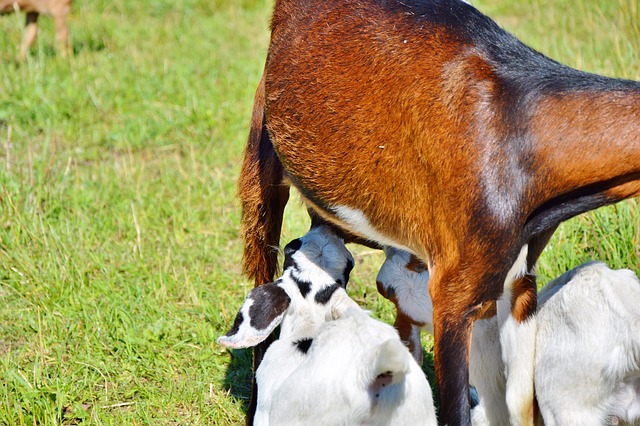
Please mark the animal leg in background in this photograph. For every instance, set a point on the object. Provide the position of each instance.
(30, 33)
(62, 31)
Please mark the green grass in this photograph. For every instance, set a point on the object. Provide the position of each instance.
(119, 243)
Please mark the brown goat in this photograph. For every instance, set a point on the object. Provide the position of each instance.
(58, 9)
(423, 125)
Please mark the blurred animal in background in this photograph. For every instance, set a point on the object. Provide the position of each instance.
(57, 9)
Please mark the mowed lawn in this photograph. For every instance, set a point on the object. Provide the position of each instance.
(119, 225)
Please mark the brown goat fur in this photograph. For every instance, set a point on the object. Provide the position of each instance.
(58, 9)
(439, 133)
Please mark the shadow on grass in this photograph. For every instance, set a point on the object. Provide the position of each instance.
(237, 380)
(50, 50)
(91, 44)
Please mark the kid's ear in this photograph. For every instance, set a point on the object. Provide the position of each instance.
(260, 313)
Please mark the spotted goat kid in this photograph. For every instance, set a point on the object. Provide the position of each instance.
(333, 364)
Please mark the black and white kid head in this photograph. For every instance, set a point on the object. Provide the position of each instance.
(315, 267)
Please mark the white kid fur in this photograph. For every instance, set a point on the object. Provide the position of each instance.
(588, 348)
(357, 372)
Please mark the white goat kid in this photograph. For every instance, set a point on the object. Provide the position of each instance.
(587, 361)
(333, 364)
(588, 348)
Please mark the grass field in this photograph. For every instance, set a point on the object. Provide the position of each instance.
(119, 242)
